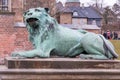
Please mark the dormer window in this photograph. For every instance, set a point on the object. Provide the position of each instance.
(94, 22)
(75, 13)
(5, 5)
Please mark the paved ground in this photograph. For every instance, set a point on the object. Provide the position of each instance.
(1, 60)
(3, 67)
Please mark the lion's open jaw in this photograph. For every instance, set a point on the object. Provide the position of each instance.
(32, 22)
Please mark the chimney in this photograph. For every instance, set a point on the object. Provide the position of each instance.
(83, 6)
(70, 3)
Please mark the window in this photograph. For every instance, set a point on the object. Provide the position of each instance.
(94, 22)
(4, 5)
(83, 21)
(75, 21)
(75, 13)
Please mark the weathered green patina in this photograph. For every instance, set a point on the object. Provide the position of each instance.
(50, 38)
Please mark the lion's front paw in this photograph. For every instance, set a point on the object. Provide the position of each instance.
(17, 54)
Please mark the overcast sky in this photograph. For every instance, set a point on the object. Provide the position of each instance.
(106, 2)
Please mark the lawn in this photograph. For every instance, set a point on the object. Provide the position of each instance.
(116, 44)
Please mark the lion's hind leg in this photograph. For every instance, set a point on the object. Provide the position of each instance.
(93, 45)
(92, 56)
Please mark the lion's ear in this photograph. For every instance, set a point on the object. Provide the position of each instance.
(24, 13)
(47, 10)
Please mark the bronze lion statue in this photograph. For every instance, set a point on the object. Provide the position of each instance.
(50, 38)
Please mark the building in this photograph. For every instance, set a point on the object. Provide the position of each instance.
(13, 33)
(75, 13)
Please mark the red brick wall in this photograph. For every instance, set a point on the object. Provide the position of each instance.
(6, 33)
(66, 18)
(12, 38)
(21, 41)
(41, 3)
(17, 7)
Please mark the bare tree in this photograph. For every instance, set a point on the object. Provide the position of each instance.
(116, 7)
(98, 3)
(106, 14)
(116, 10)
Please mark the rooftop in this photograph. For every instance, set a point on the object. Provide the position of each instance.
(77, 26)
(84, 12)
(73, 1)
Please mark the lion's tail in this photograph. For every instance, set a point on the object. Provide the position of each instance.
(109, 48)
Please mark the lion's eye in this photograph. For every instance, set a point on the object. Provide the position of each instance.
(37, 10)
(29, 13)
(26, 12)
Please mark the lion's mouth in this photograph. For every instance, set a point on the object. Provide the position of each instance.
(33, 22)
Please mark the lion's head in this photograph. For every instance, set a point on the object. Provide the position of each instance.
(36, 18)
(38, 21)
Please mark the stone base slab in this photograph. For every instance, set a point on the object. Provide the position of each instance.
(61, 63)
(60, 74)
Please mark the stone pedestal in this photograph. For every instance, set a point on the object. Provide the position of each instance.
(60, 74)
(61, 63)
(60, 69)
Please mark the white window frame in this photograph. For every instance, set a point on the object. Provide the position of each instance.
(75, 13)
(94, 22)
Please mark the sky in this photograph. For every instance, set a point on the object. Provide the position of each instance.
(106, 2)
